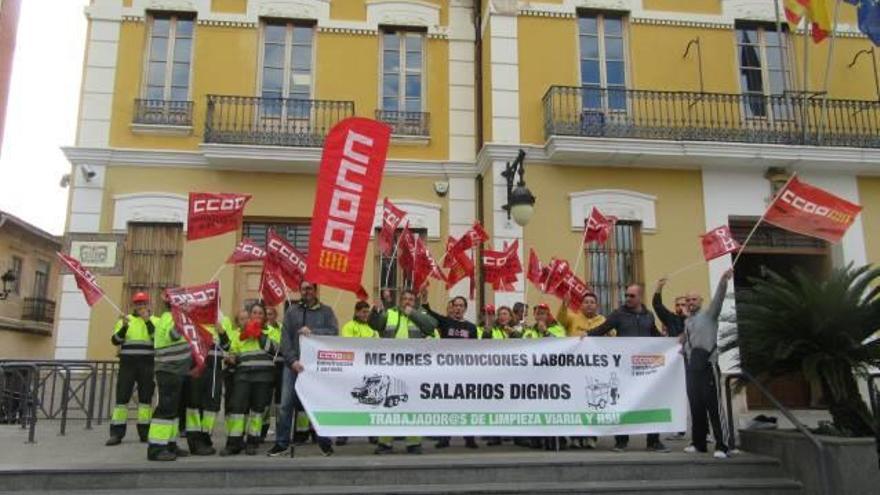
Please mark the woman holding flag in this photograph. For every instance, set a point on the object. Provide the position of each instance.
(252, 392)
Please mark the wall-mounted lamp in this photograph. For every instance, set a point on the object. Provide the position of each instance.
(8, 279)
(520, 201)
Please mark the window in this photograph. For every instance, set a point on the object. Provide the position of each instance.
(296, 232)
(168, 63)
(617, 264)
(603, 61)
(287, 68)
(388, 273)
(402, 67)
(153, 253)
(17, 264)
(760, 52)
(41, 280)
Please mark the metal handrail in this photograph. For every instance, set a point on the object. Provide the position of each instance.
(820, 448)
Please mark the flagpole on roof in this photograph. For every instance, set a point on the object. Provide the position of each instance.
(830, 60)
(783, 52)
(742, 247)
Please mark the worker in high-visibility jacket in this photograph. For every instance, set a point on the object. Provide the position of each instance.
(405, 321)
(134, 336)
(357, 328)
(205, 393)
(254, 352)
(545, 326)
(173, 365)
(273, 331)
(233, 330)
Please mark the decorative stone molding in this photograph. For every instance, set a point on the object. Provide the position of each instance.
(419, 214)
(403, 13)
(296, 9)
(349, 31)
(682, 23)
(160, 207)
(226, 24)
(625, 205)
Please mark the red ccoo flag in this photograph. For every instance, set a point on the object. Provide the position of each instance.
(537, 272)
(213, 214)
(460, 265)
(85, 280)
(272, 285)
(473, 237)
(808, 210)
(500, 268)
(246, 251)
(192, 307)
(598, 227)
(351, 172)
(718, 242)
(391, 218)
(285, 260)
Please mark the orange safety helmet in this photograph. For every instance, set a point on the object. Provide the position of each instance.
(140, 297)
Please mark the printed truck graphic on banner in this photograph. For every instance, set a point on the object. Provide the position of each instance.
(383, 390)
(602, 394)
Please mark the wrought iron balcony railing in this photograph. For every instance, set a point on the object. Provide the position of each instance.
(695, 116)
(406, 123)
(272, 121)
(163, 112)
(38, 309)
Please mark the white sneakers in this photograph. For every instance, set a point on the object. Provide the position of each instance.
(719, 454)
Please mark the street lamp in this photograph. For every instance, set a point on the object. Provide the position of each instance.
(520, 201)
(8, 278)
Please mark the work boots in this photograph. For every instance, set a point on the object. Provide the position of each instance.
(143, 432)
(198, 444)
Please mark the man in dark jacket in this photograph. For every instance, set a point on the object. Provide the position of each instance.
(308, 317)
(632, 319)
(673, 321)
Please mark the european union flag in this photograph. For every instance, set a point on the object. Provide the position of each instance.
(869, 18)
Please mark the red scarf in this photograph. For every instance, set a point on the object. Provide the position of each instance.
(252, 330)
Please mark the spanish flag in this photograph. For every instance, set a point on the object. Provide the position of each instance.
(818, 12)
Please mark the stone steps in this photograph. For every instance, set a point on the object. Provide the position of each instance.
(494, 473)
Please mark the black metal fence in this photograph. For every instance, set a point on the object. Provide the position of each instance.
(406, 123)
(696, 116)
(163, 112)
(62, 390)
(272, 121)
(38, 309)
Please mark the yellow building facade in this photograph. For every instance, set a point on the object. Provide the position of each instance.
(674, 116)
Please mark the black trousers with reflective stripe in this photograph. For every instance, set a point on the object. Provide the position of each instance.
(133, 370)
(207, 389)
(171, 389)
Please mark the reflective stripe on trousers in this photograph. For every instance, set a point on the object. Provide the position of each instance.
(209, 418)
(120, 414)
(235, 425)
(255, 423)
(145, 413)
(162, 431)
(193, 420)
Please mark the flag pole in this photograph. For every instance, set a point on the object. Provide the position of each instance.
(393, 258)
(828, 64)
(742, 247)
(113, 305)
(685, 268)
(805, 82)
(217, 273)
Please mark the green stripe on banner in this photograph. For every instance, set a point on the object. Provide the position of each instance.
(476, 419)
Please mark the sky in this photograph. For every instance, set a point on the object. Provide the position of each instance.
(42, 111)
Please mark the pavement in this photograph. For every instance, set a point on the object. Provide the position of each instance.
(81, 447)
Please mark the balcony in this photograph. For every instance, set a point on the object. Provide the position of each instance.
(38, 310)
(693, 116)
(272, 121)
(410, 124)
(162, 113)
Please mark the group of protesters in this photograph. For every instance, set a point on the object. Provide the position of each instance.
(255, 359)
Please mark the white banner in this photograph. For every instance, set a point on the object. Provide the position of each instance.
(516, 387)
